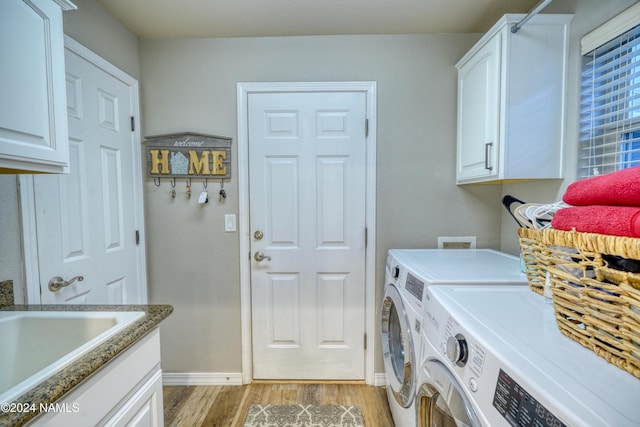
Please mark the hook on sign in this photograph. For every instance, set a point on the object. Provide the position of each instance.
(204, 196)
(173, 188)
(223, 194)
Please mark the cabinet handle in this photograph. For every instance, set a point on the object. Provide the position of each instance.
(487, 147)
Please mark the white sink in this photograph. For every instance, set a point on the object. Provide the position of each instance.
(36, 344)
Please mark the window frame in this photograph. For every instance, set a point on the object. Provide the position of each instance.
(609, 135)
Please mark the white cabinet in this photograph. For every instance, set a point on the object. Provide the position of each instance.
(33, 106)
(144, 408)
(125, 392)
(511, 102)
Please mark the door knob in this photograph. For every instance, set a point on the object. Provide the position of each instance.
(56, 283)
(259, 256)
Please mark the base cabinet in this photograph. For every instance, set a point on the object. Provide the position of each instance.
(144, 408)
(511, 102)
(125, 392)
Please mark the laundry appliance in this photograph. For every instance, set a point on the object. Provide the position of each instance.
(493, 356)
(407, 275)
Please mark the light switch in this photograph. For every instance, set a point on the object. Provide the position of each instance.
(229, 223)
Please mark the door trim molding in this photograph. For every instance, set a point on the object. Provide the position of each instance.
(242, 92)
(26, 189)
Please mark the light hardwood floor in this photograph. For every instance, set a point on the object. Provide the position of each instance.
(227, 406)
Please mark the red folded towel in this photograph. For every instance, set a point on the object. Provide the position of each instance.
(620, 188)
(612, 220)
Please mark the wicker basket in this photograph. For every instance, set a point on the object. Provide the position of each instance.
(534, 258)
(595, 304)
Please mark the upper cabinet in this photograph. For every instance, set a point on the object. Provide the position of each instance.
(33, 106)
(511, 102)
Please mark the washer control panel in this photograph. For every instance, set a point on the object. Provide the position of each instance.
(463, 352)
(518, 407)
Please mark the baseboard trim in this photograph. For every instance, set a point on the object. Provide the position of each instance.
(221, 378)
(201, 378)
(380, 380)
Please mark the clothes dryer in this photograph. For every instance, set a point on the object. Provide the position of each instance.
(408, 273)
(493, 356)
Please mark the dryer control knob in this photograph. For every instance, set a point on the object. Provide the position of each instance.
(457, 350)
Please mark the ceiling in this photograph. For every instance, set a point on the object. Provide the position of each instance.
(259, 18)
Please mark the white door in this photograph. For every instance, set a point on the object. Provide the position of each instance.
(86, 221)
(307, 158)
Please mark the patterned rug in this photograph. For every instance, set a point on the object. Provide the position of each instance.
(303, 416)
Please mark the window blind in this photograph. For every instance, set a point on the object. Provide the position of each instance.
(610, 106)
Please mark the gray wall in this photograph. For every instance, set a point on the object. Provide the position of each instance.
(189, 85)
(11, 267)
(588, 14)
(92, 26)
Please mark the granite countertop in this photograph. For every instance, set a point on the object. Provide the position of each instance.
(63, 381)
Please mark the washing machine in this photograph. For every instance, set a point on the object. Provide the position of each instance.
(493, 356)
(408, 273)
(401, 330)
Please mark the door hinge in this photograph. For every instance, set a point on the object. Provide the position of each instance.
(366, 237)
(137, 237)
(366, 127)
(133, 124)
(365, 341)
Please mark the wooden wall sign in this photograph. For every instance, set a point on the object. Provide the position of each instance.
(188, 155)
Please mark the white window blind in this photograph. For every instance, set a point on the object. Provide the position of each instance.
(610, 106)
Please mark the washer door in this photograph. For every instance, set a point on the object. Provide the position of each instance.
(397, 348)
(441, 402)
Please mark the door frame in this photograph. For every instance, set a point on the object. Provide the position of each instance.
(243, 90)
(26, 190)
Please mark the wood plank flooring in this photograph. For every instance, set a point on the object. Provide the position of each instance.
(227, 406)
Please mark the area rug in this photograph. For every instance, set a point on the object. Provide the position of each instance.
(304, 416)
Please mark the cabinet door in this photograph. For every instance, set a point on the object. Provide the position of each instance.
(33, 107)
(144, 408)
(478, 113)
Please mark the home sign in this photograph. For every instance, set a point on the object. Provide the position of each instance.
(188, 155)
